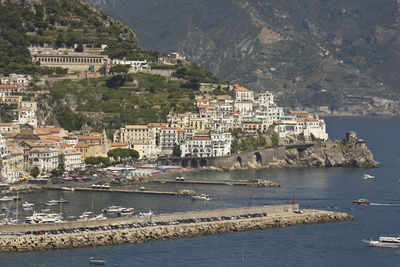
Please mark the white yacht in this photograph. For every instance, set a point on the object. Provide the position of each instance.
(385, 242)
(367, 176)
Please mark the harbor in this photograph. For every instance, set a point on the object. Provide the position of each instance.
(18, 238)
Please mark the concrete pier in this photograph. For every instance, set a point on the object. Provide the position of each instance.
(261, 183)
(116, 190)
(278, 216)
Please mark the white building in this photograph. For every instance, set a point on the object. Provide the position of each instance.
(168, 139)
(266, 99)
(197, 146)
(242, 94)
(134, 65)
(315, 127)
(221, 144)
(72, 160)
(243, 106)
(25, 115)
(43, 159)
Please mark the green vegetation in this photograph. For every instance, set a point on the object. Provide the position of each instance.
(343, 47)
(134, 98)
(62, 23)
(177, 152)
(119, 69)
(248, 143)
(56, 172)
(34, 172)
(194, 72)
(123, 154)
(70, 120)
(104, 161)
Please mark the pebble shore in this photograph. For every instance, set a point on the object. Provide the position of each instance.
(30, 242)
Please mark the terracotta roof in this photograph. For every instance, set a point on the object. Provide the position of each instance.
(136, 127)
(181, 130)
(201, 138)
(157, 124)
(15, 151)
(66, 145)
(203, 132)
(117, 144)
(52, 138)
(42, 131)
(80, 145)
(169, 128)
(202, 100)
(11, 134)
(95, 133)
(5, 124)
(40, 150)
(84, 137)
(298, 112)
(239, 88)
(7, 85)
(311, 119)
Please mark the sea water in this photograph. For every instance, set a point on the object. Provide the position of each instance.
(330, 244)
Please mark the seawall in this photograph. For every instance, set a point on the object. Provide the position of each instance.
(30, 242)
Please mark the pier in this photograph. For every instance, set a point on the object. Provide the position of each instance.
(116, 190)
(115, 231)
(260, 182)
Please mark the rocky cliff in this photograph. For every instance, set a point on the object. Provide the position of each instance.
(331, 154)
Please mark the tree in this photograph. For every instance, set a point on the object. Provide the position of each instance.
(79, 48)
(123, 153)
(120, 69)
(56, 173)
(177, 151)
(35, 172)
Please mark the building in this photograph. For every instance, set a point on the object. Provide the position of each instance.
(168, 139)
(71, 160)
(242, 94)
(134, 65)
(25, 116)
(266, 99)
(43, 159)
(68, 58)
(12, 166)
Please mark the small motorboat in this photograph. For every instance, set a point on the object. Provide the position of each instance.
(27, 205)
(68, 189)
(367, 176)
(201, 197)
(361, 201)
(96, 262)
(51, 203)
(6, 199)
(61, 200)
(180, 178)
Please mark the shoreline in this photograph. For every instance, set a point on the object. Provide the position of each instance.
(30, 242)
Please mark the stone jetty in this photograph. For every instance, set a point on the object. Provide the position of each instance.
(31, 242)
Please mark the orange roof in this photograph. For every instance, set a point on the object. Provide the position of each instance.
(7, 85)
(202, 100)
(239, 88)
(201, 138)
(299, 112)
(80, 145)
(117, 145)
(203, 132)
(11, 134)
(66, 145)
(42, 131)
(157, 125)
(15, 151)
(95, 133)
(181, 130)
(84, 137)
(5, 124)
(52, 138)
(169, 128)
(311, 119)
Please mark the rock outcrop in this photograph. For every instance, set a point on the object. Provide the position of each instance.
(331, 154)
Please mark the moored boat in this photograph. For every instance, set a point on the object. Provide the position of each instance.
(361, 201)
(385, 242)
(96, 262)
(51, 203)
(68, 189)
(201, 197)
(27, 205)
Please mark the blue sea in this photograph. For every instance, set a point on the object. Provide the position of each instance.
(330, 244)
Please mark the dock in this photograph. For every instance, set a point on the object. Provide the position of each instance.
(260, 183)
(116, 190)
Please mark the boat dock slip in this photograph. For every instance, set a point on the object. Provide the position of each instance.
(158, 227)
(259, 182)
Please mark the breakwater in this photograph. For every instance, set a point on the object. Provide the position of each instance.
(257, 183)
(125, 231)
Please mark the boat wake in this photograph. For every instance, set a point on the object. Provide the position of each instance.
(384, 204)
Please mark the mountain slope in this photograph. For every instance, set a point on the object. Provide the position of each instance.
(300, 47)
(59, 23)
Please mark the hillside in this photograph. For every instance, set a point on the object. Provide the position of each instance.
(61, 23)
(322, 49)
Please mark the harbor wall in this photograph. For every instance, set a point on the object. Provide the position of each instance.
(14, 243)
(270, 209)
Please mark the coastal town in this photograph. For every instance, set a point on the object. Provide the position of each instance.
(26, 145)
